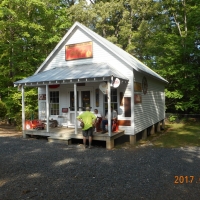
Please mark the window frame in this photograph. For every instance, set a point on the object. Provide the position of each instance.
(54, 103)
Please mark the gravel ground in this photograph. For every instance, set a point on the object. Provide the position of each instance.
(35, 169)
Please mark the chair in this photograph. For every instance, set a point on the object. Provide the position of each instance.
(98, 124)
(115, 125)
(34, 124)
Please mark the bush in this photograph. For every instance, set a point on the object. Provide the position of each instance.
(172, 118)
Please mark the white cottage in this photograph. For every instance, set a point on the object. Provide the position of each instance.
(85, 69)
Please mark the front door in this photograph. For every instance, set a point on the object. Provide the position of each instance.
(113, 102)
(83, 100)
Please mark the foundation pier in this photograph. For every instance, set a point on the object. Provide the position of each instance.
(132, 139)
(109, 143)
(163, 124)
(144, 134)
(152, 129)
(158, 127)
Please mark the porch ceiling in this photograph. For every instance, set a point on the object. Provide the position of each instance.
(93, 72)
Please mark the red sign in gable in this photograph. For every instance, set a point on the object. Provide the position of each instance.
(78, 51)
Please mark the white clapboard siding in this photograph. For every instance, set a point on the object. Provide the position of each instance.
(152, 108)
(100, 54)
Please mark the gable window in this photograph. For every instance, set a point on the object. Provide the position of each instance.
(54, 102)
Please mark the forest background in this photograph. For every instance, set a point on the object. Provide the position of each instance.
(163, 34)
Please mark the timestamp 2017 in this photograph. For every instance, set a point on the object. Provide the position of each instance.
(185, 179)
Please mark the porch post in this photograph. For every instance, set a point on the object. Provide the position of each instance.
(109, 110)
(47, 106)
(75, 104)
(23, 113)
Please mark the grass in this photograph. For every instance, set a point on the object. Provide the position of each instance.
(177, 135)
(182, 134)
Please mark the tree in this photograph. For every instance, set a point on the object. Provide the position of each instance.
(29, 31)
(175, 54)
(3, 109)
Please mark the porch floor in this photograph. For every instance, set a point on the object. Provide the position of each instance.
(64, 135)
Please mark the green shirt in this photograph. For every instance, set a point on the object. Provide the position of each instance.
(88, 118)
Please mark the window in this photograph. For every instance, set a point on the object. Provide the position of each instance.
(113, 100)
(127, 106)
(54, 102)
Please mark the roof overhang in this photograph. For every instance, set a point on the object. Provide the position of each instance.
(92, 72)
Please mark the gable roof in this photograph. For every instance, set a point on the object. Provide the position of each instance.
(120, 53)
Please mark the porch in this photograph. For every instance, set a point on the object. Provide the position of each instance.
(65, 135)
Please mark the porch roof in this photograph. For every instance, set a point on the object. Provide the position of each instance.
(92, 72)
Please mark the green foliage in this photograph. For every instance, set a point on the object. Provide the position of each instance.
(3, 110)
(18, 117)
(162, 34)
(14, 101)
(29, 31)
(172, 118)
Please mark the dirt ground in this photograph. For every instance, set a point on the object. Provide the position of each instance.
(7, 130)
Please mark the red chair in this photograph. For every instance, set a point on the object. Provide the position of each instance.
(115, 126)
(37, 124)
(34, 124)
(98, 124)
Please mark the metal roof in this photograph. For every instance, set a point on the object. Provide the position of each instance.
(70, 74)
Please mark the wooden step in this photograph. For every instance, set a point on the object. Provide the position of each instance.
(65, 140)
